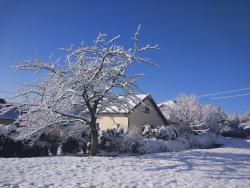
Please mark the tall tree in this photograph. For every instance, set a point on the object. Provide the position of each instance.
(88, 80)
(186, 114)
(214, 117)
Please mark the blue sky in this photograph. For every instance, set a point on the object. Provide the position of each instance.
(205, 45)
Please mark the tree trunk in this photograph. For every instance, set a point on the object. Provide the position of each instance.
(94, 136)
(94, 141)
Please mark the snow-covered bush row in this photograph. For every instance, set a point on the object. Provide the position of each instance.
(163, 133)
(114, 140)
(228, 131)
(111, 140)
(202, 141)
(183, 142)
(52, 140)
(131, 142)
(68, 139)
(154, 146)
(9, 147)
(7, 129)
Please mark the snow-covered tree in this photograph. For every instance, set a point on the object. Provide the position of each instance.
(233, 120)
(186, 114)
(245, 117)
(213, 117)
(76, 88)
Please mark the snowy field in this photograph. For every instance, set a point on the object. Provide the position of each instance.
(228, 166)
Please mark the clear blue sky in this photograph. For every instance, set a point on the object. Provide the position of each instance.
(205, 45)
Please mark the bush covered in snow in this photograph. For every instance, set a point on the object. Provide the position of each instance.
(155, 146)
(70, 145)
(163, 133)
(8, 146)
(201, 141)
(48, 141)
(131, 142)
(234, 132)
(7, 129)
(114, 140)
(72, 138)
(183, 142)
(111, 139)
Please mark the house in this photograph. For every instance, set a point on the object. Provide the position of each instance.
(143, 111)
(8, 117)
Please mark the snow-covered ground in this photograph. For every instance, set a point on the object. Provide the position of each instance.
(228, 166)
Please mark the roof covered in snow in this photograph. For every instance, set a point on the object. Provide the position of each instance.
(167, 103)
(125, 108)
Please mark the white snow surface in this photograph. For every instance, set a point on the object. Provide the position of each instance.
(227, 166)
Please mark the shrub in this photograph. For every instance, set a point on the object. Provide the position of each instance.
(155, 146)
(111, 140)
(70, 139)
(163, 133)
(167, 133)
(205, 140)
(70, 145)
(7, 129)
(131, 142)
(116, 140)
(8, 146)
(234, 133)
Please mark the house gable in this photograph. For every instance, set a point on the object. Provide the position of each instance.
(146, 113)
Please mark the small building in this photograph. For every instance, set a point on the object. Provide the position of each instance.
(8, 117)
(143, 111)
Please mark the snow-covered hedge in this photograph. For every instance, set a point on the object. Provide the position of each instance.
(202, 141)
(114, 140)
(111, 140)
(154, 146)
(64, 139)
(7, 129)
(163, 133)
(183, 142)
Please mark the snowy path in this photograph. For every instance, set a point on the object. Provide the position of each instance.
(228, 166)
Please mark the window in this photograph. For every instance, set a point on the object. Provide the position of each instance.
(118, 126)
(97, 126)
(146, 109)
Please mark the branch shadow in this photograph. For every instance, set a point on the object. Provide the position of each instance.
(228, 164)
